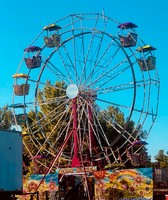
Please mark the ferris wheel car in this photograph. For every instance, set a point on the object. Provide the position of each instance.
(21, 89)
(54, 39)
(21, 119)
(33, 61)
(130, 38)
(150, 62)
(32, 49)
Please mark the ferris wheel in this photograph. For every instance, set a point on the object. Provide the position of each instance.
(78, 87)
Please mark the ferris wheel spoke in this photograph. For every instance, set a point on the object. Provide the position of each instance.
(84, 122)
(87, 58)
(61, 117)
(68, 64)
(42, 145)
(113, 104)
(57, 72)
(59, 101)
(106, 76)
(113, 72)
(52, 114)
(102, 63)
(93, 59)
(26, 145)
(36, 143)
(64, 130)
(119, 128)
(98, 133)
(74, 52)
(99, 46)
(44, 84)
(146, 112)
(87, 52)
(42, 102)
(115, 88)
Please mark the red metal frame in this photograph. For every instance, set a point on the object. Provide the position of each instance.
(75, 159)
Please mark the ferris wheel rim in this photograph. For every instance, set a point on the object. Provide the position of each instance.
(135, 82)
(47, 60)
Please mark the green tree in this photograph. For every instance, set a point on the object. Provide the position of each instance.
(5, 118)
(162, 159)
(112, 121)
(42, 122)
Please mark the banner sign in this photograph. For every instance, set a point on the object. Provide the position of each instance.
(76, 170)
(124, 184)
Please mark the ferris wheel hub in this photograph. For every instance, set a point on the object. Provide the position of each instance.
(72, 91)
(89, 94)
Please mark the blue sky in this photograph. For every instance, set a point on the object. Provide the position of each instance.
(21, 21)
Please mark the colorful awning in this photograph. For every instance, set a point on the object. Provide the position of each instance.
(139, 143)
(127, 25)
(52, 27)
(32, 49)
(146, 48)
(20, 76)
